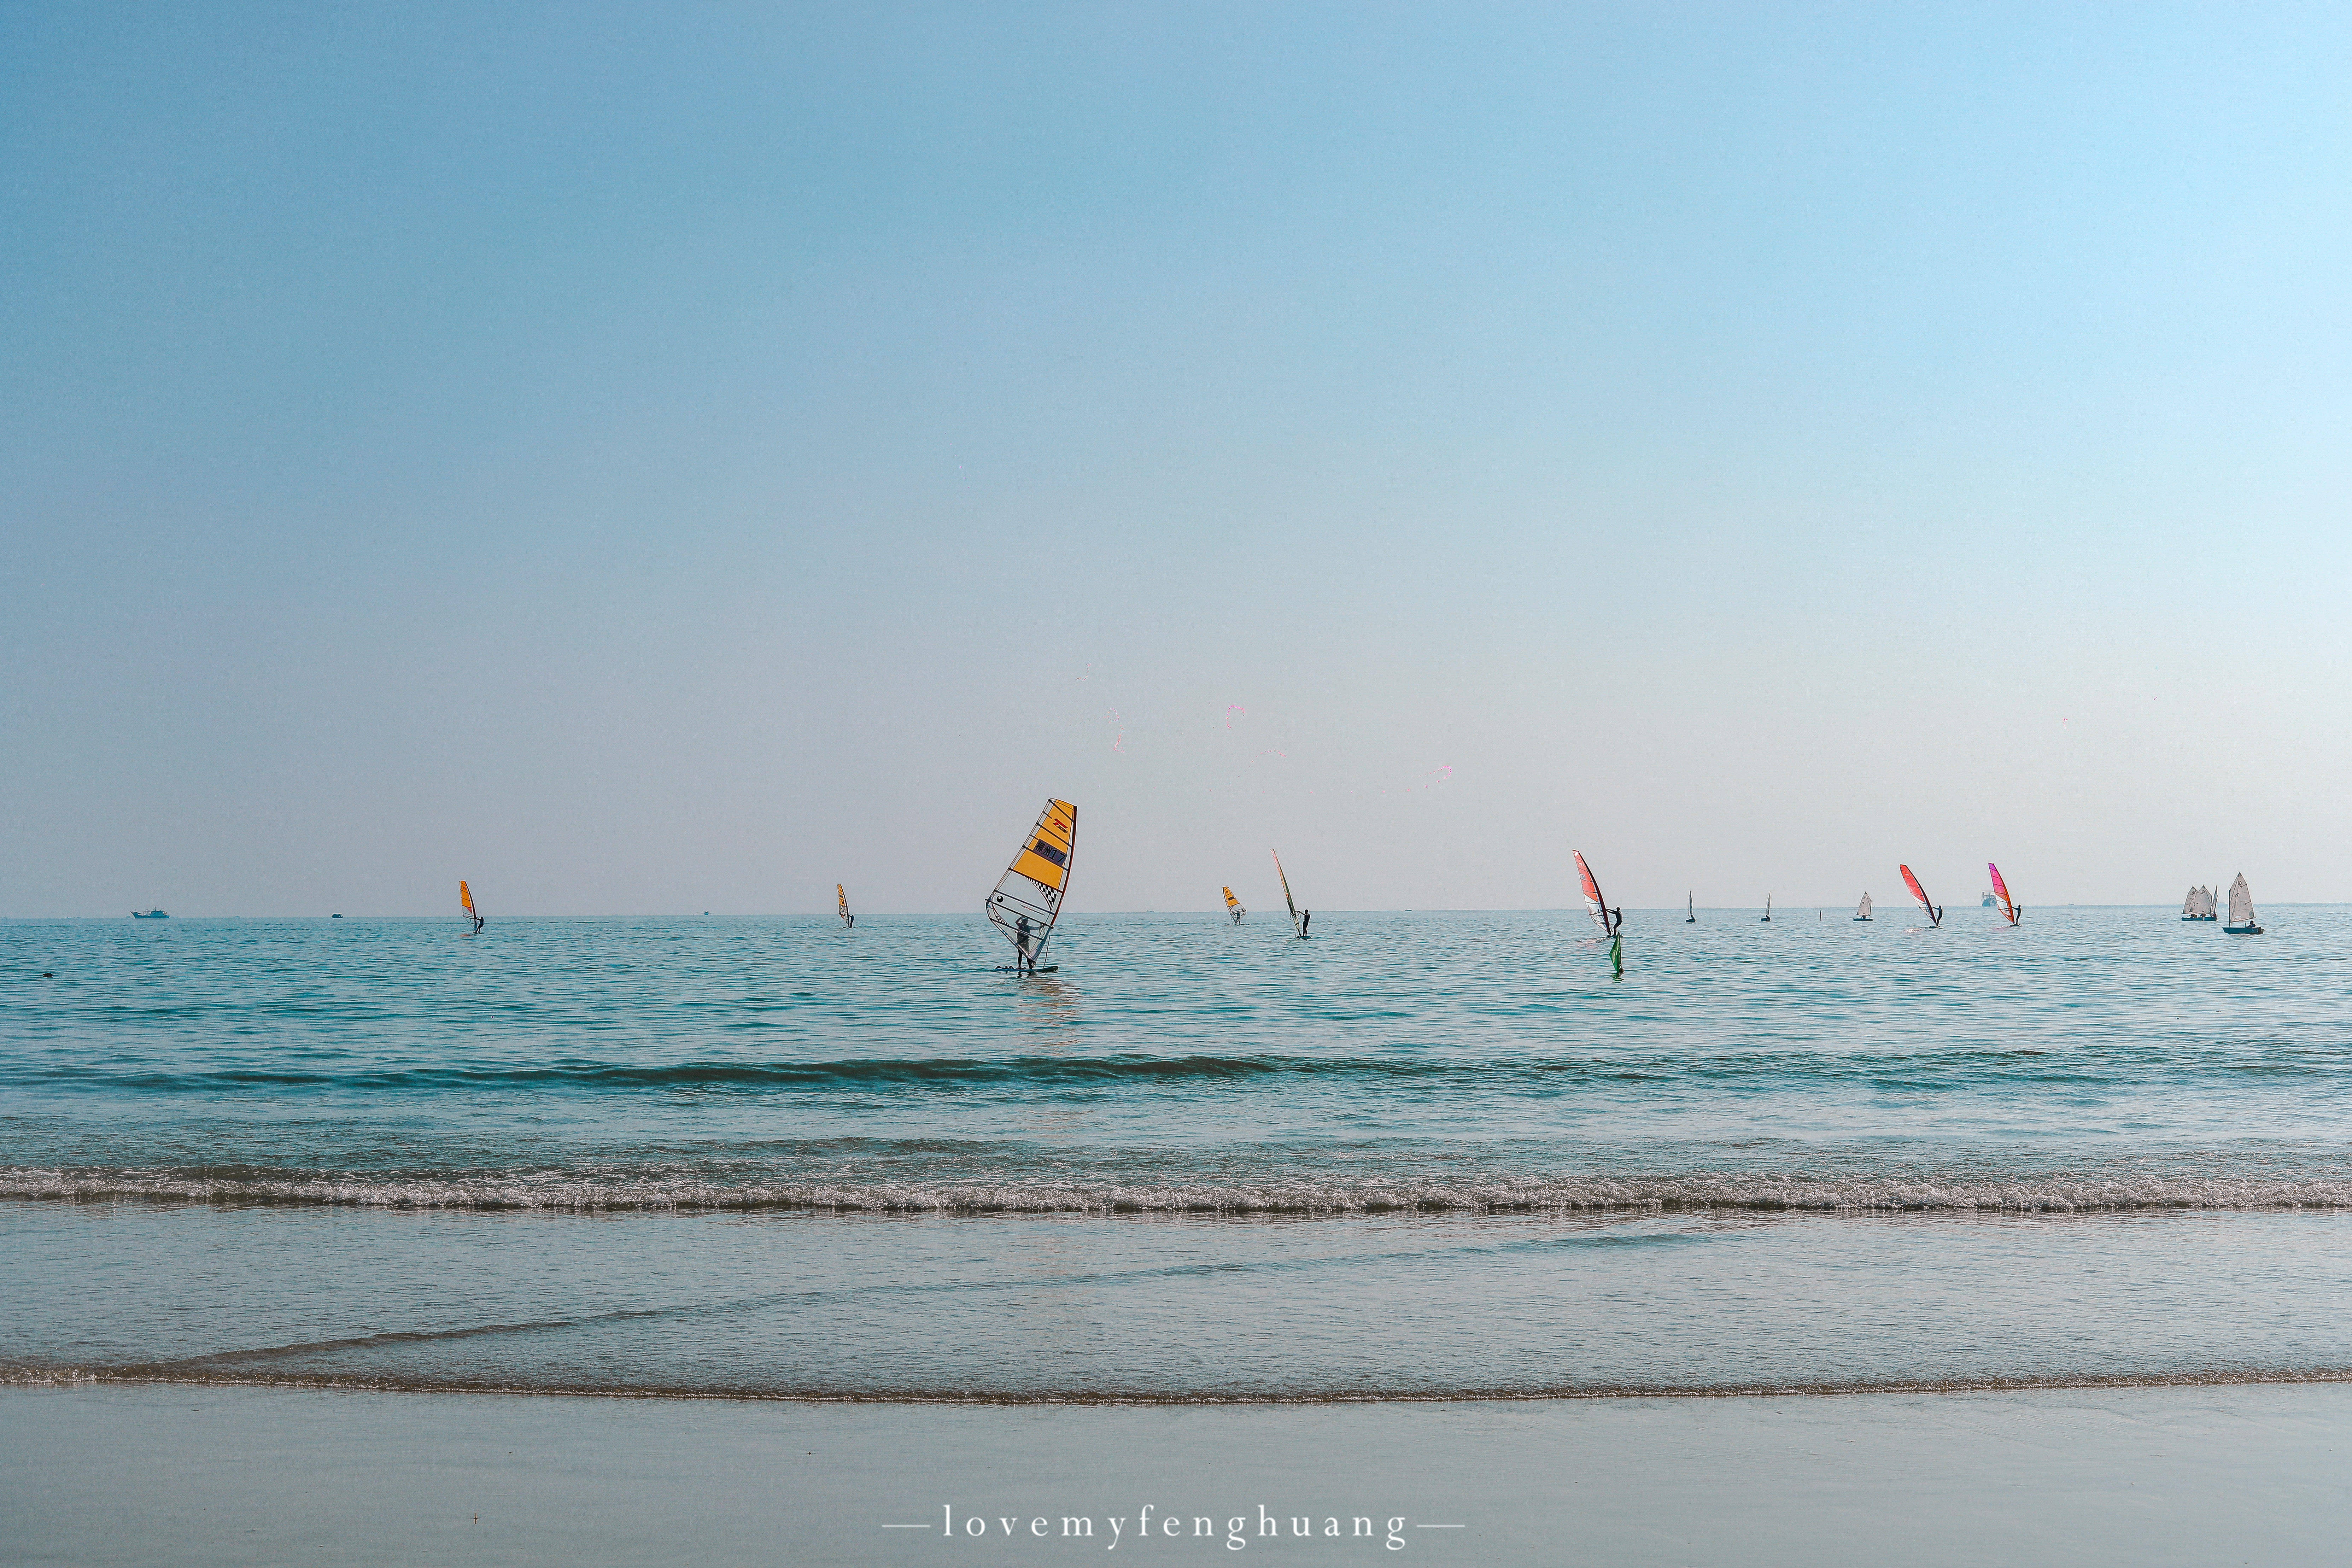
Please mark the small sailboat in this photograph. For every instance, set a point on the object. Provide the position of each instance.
(1234, 906)
(1611, 922)
(1690, 910)
(2242, 909)
(2009, 906)
(1935, 915)
(841, 895)
(466, 900)
(1768, 911)
(1028, 897)
(2199, 905)
(1298, 922)
(1862, 910)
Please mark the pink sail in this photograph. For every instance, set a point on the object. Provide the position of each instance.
(2008, 905)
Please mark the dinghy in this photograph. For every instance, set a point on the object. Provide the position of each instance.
(466, 899)
(2242, 909)
(1234, 906)
(1690, 910)
(848, 920)
(2008, 905)
(1028, 897)
(2199, 905)
(1862, 910)
(1768, 911)
(1299, 922)
(1935, 915)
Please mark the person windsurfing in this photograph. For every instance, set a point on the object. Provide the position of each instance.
(1306, 919)
(1021, 959)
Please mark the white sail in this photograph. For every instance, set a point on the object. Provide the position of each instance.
(1863, 913)
(2242, 902)
(2189, 906)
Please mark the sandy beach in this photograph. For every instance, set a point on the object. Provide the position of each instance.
(122, 1474)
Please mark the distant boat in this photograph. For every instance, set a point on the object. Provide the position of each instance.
(1234, 906)
(334, 917)
(2242, 909)
(1690, 912)
(1862, 912)
(1935, 915)
(1299, 922)
(2199, 905)
(841, 896)
(148, 915)
(1768, 911)
(466, 899)
(1028, 897)
(1985, 901)
(2008, 905)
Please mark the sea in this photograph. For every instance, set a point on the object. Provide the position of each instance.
(1426, 1155)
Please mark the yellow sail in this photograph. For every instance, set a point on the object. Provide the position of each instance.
(842, 894)
(466, 895)
(1234, 906)
(1028, 897)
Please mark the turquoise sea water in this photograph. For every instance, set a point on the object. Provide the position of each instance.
(1425, 1154)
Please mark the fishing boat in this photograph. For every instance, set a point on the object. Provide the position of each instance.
(841, 896)
(1862, 910)
(465, 901)
(1234, 906)
(1768, 910)
(2199, 905)
(148, 915)
(2242, 909)
(1935, 915)
(1298, 922)
(1028, 897)
(2009, 906)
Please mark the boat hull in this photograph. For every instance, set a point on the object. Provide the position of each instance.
(2242, 931)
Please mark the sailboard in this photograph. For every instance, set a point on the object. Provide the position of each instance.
(1234, 906)
(1297, 924)
(848, 920)
(2008, 905)
(466, 900)
(1862, 910)
(1609, 921)
(1028, 897)
(2242, 909)
(1935, 915)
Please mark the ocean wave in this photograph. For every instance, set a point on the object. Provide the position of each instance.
(1308, 1193)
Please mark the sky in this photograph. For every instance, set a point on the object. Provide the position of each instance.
(648, 459)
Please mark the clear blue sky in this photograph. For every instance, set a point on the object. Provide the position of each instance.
(678, 457)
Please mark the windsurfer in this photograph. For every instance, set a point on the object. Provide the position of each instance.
(1021, 944)
(1306, 919)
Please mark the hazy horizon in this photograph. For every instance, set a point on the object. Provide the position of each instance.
(642, 460)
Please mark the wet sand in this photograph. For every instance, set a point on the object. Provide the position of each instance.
(196, 1475)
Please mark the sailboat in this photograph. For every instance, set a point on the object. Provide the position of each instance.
(1690, 912)
(1768, 911)
(1935, 915)
(1028, 897)
(2199, 905)
(1299, 922)
(2242, 909)
(466, 898)
(1234, 906)
(1862, 912)
(848, 920)
(2008, 905)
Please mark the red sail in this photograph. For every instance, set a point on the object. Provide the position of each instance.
(1917, 891)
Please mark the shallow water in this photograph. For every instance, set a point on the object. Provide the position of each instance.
(1423, 1156)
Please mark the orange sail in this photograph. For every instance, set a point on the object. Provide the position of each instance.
(466, 896)
(1935, 915)
(1594, 904)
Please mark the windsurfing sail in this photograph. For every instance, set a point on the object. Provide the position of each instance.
(1862, 912)
(1233, 906)
(2008, 905)
(1595, 905)
(466, 898)
(2242, 907)
(1028, 897)
(1935, 915)
(842, 894)
(1289, 902)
